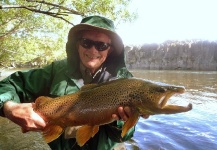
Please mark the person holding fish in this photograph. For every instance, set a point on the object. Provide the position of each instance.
(95, 54)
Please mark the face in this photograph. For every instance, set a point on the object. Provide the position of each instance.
(91, 57)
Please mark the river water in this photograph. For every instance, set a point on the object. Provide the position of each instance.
(193, 130)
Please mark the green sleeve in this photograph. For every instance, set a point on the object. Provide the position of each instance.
(124, 73)
(25, 86)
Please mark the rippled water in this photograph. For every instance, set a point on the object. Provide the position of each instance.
(193, 130)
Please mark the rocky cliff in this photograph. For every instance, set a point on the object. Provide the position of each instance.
(172, 55)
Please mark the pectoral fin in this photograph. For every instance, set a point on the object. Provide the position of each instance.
(84, 133)
(51, 132)
(130, 123)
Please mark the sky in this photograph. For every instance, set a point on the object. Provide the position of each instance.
(162, 20)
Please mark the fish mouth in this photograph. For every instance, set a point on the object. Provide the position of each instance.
(172, 109)
(164, 99)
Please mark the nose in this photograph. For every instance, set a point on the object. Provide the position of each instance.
(93, 49)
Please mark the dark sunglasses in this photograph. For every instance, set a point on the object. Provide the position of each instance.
(87, 43)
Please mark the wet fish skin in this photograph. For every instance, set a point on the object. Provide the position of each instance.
(94, 105)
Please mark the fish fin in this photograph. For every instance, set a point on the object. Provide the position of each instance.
(51, 132)
(130, 123)
(84, 133)
(88, 87)
(95, 130)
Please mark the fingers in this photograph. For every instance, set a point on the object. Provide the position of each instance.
(24, 115)
(128, 111)
(123, 114)
(34, 122)
(38, 121)
(120, 115)
(115, 117)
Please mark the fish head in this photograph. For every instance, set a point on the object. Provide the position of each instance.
(159, 93)
(155, 95)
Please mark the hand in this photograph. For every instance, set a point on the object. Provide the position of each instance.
(23, 115)
(124, 113)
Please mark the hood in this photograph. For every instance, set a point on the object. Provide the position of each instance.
(116, 58)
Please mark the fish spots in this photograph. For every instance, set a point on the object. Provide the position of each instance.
(95, 104)
(102, 117)
(134, 96)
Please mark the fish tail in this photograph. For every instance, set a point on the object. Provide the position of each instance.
(51, 132)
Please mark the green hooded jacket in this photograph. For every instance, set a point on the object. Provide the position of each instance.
(62, 78)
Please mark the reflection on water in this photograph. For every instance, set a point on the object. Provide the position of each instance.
(193, 130)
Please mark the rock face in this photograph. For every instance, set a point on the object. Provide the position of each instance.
(173, 55)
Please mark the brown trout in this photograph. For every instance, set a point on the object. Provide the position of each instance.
(94, 105)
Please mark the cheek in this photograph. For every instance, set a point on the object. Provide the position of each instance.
(80, 51)
(104, 55)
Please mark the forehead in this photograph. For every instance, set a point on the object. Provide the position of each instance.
(95, 35)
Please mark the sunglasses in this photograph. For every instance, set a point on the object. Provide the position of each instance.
(87, 43)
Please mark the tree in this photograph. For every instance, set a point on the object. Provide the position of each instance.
(32, 29)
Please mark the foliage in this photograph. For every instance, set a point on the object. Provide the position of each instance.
(32, 29)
